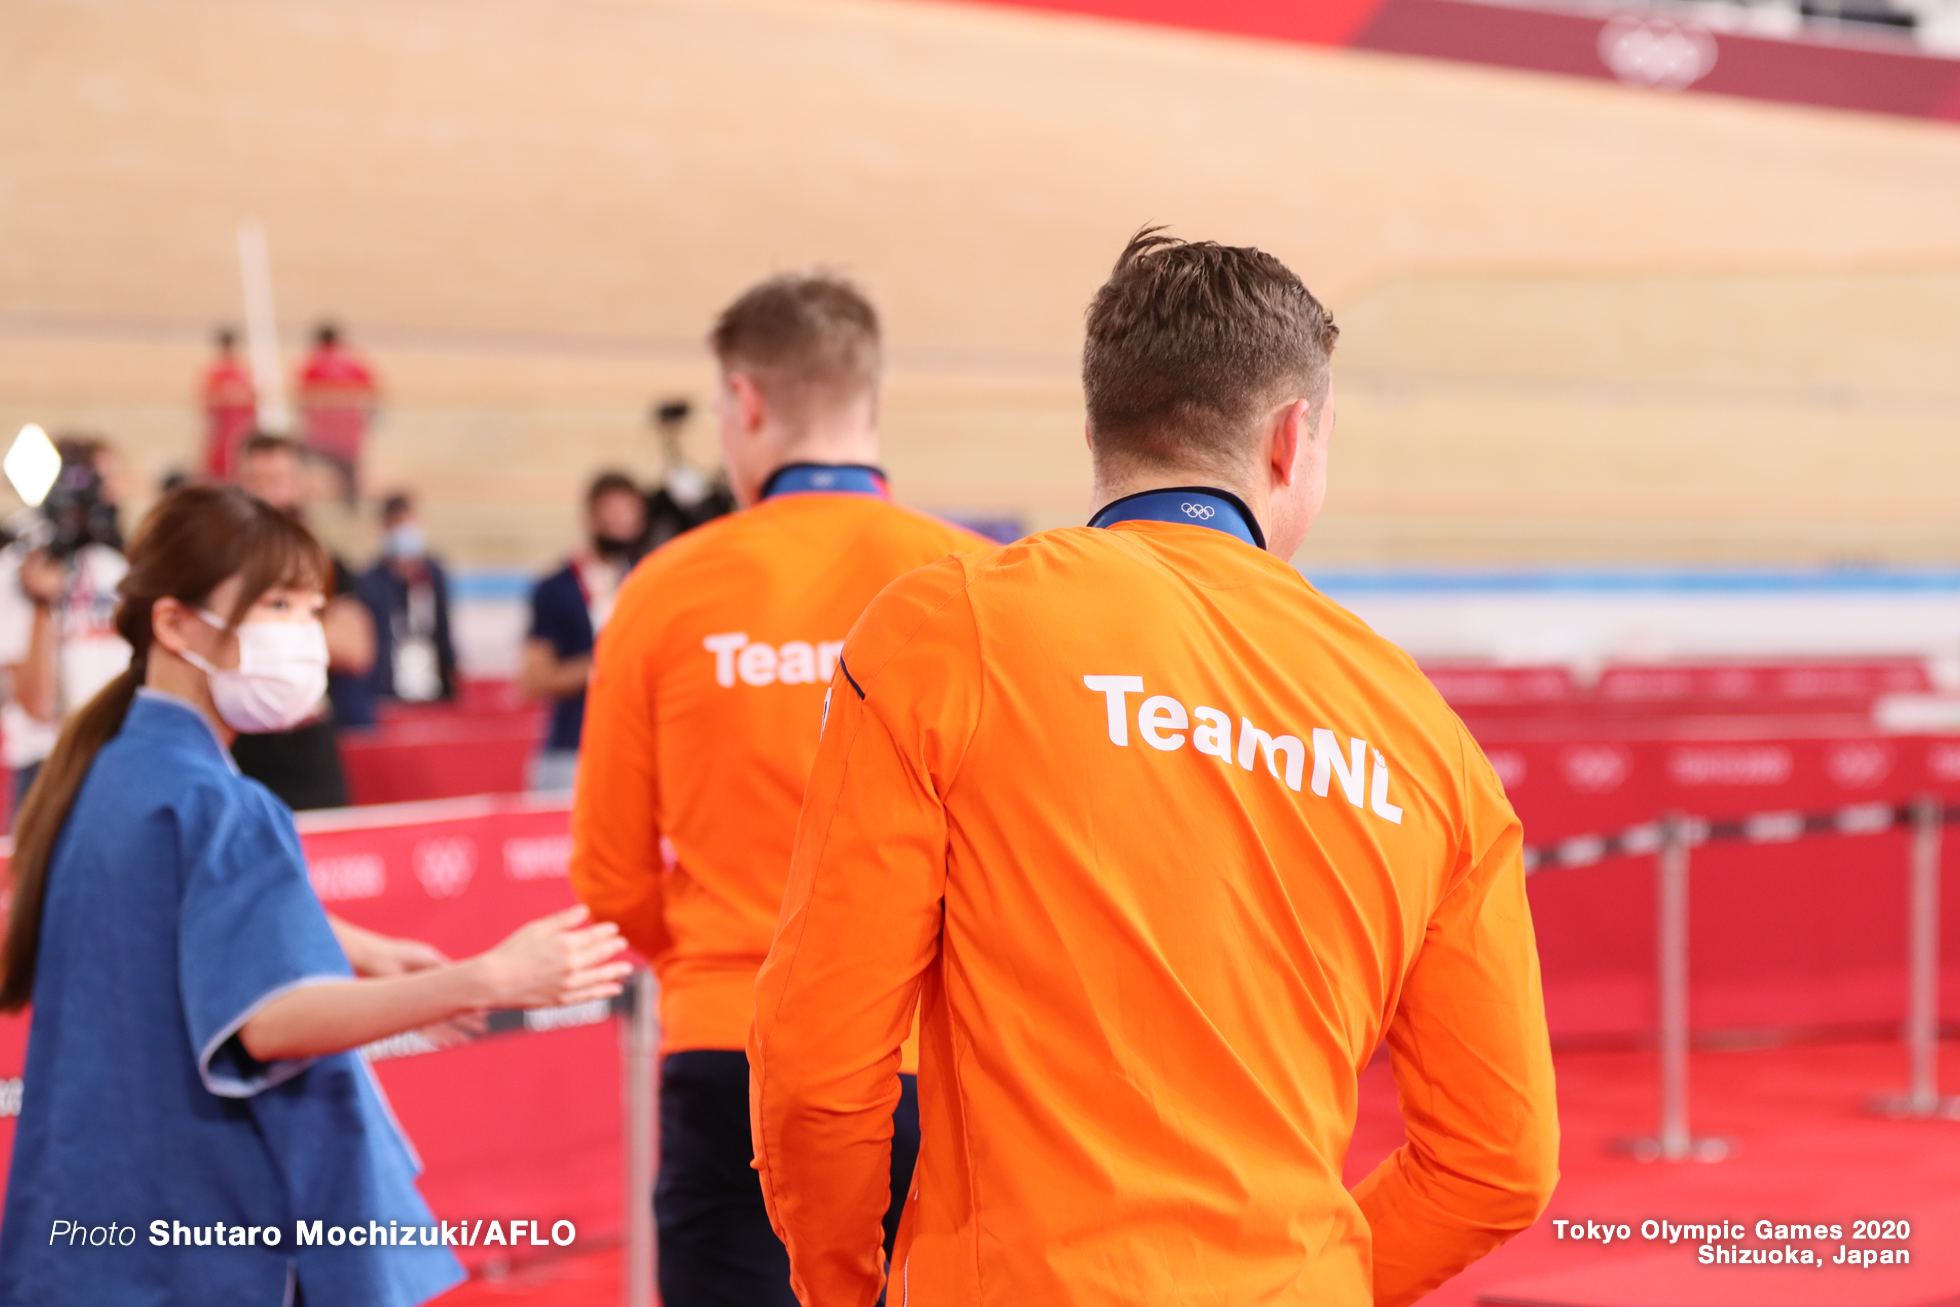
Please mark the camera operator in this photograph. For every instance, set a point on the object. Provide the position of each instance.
(58, 582)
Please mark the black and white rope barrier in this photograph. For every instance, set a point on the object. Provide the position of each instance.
(1670, 840)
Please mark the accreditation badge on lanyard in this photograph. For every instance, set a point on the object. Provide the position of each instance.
(418, 670)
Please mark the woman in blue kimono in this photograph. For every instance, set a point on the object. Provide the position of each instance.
(190, 1096)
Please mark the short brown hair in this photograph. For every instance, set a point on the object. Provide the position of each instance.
(1188, 341)
(264, 442)
(809, 341)
(609, 482)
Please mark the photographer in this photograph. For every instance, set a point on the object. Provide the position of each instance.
(58, 582)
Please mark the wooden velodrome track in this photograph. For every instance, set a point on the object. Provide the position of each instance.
(1580, 322)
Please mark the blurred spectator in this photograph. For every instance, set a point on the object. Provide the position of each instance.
(58, 582)
(302, 766)
(686, 497)
(568, 610)
(408, 594)
(230, 408)
(337, 398)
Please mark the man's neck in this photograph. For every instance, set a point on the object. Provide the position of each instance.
(835, 448)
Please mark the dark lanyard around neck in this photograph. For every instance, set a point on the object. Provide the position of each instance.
(1221, 510)
(826, 479)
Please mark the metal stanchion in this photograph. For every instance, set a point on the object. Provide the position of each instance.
(1922, 1100)
(640, 1042)
(1674, 1143)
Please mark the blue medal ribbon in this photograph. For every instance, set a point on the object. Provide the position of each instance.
(826, 479)
(1221, 510)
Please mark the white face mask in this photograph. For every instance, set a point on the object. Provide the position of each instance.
(281, 674)
(407, 541)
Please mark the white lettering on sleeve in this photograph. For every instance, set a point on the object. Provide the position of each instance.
(756, 664)
(1378, 797)
(1327, 759)
(723, 647)
(1158, 714)
(1214, 734)
(1252, 740)
(1114, 688)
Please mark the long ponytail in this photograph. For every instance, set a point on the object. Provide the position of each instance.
(190, 544)
(41, 819)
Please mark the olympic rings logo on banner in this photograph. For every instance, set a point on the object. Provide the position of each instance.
(1657, 53)
(1200, 511)
(1595, 769)
(445, 866)
(1859, 766)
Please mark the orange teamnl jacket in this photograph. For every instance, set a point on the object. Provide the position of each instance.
(701, 725)
(1163, 843)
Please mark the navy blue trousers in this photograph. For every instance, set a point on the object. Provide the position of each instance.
(716, 1247)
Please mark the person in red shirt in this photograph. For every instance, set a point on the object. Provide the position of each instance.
(230, 408)
(701, 722)
(1161, 845)
(337, 399)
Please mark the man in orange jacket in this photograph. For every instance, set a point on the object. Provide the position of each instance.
(701, 724)
(1161, 844)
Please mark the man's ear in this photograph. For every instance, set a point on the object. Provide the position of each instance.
(1288, 434)
(750, 406)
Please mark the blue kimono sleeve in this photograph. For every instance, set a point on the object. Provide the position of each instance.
(251, 929)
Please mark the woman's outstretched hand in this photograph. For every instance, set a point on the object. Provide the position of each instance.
(553, 961)
(556, 960)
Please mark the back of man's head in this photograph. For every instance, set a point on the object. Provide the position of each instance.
(1188, 345)
(809, 342)
(269, 468)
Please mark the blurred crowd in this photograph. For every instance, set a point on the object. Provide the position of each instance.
(389, 631)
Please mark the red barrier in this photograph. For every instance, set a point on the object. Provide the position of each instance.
(477, 744)
(1483, 688)
(1802, 934)
(438, 757)
(522, 1125)
(1807, 687)
(1704, 689)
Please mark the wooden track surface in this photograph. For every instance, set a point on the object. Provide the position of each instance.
(1580, 321)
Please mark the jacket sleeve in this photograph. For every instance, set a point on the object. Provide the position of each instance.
(1473, 1067)
(617, 867)
(860, 926)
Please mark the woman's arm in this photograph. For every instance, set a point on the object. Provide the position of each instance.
(552, 961)
(371, 953)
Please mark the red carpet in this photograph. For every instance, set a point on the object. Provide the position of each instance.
(1807, 1152)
